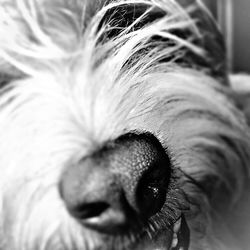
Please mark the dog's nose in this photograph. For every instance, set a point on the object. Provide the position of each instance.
(125, 180)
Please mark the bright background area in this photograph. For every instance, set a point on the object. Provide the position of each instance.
(242, 35)
(234, 18)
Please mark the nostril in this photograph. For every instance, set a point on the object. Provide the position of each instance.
(93, 196)
(87, 211)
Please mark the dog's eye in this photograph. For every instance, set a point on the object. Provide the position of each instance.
(150, 174)
(152, 187)
(156, 197)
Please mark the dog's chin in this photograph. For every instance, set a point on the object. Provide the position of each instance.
(174, 238)
(73, 235)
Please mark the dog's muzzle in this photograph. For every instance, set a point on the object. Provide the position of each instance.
(120, 186)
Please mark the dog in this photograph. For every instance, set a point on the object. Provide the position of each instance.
(121, 128)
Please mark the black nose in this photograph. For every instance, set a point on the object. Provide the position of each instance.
(124, 180)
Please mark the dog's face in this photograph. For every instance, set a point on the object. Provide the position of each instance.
(116, 128)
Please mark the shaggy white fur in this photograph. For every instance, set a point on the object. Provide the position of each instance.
(72, 79)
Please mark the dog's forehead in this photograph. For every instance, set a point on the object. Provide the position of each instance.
(130, 103)
(74, 17)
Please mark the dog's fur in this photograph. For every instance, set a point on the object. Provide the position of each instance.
(75, 74)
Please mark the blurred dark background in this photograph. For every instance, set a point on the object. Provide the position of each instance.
(234, 19)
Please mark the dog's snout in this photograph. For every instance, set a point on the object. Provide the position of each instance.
(124, 180)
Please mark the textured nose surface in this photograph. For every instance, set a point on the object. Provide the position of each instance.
(124, 180)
